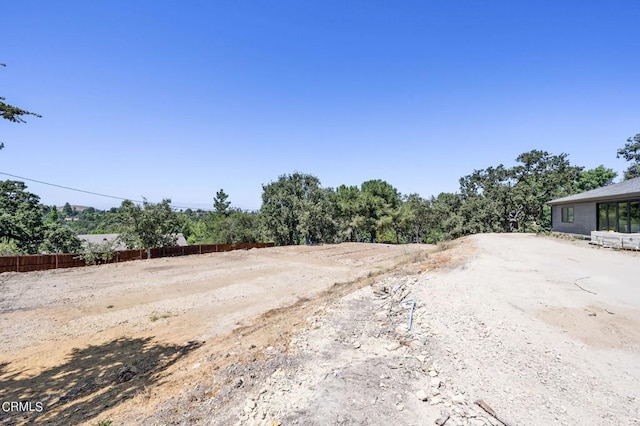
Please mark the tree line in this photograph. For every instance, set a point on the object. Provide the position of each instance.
(297, 209)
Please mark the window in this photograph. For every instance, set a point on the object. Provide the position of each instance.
(567, 214)
(623, 222)
(603, 224)
(612, 218)
(619, 217)
(634, 216)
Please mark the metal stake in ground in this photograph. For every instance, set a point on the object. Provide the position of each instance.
(413, 305)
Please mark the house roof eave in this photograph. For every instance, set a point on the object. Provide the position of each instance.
(571, 200)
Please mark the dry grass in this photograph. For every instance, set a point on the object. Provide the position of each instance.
(443, 246)
(156, 316)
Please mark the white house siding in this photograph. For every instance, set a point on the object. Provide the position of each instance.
(584, 218)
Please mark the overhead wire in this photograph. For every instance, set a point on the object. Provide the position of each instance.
(85, 191)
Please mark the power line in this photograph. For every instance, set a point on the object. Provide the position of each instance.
(84, 191)
(69, 188)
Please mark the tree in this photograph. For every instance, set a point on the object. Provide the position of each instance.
(243, 226)
(631, 152)
(12, 113)
(347, 205)
(230, 225)
(633, 171)
(225, 225)
(516, 198)
(92, 221)
(318, 217)
(23, 226)
(210, 228)
(220, 202)
(67, 210)
(540, 178)
(148, 226)
(199, 233)
(59, 239)
(377, 203)
(445, 220)
(491, 188)
(296, 209)
(596, 178)
(417, 217)
(478, 214)
(21, 217)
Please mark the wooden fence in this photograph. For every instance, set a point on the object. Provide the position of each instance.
(40, 262)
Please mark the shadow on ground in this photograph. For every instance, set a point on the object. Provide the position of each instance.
(91, 380)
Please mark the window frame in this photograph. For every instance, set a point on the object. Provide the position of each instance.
(567, 214)
(611, 210)
(632, 223)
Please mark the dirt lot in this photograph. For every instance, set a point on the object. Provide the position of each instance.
(543, 331)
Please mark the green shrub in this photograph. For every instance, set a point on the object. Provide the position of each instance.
(98, 253)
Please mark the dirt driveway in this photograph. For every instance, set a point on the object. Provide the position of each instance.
(506, 329)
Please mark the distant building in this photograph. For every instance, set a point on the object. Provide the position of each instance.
(613, 208)
(101, 238)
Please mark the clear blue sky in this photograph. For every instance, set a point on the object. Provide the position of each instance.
(179, 99)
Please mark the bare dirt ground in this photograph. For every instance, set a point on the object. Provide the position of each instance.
(71, 338)
(542, 331)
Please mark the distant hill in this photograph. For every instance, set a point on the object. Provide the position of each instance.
(74, 207)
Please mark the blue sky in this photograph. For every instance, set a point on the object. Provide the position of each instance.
(179, 99)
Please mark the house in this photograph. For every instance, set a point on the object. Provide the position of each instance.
(613, 208)
(101, 238)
